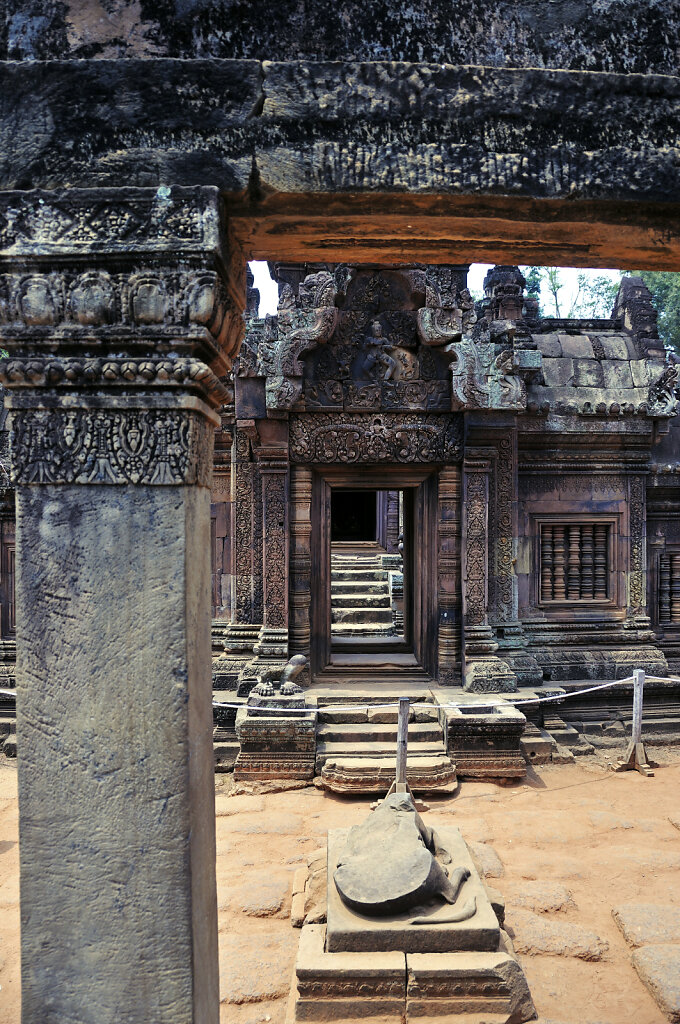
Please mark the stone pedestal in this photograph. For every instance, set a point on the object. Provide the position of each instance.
(485, 742)
(117, 333)
(275, 747)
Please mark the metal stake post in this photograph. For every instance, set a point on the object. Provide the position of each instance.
(402, 744)
(636, 756)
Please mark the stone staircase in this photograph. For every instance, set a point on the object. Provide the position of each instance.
(356, 746)
(360, 596)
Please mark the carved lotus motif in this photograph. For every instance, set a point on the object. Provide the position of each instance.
(200, 300)
(149, 301)
(92, 300)
(37, 306)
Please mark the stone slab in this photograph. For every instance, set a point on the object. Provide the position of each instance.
(349, 931)
(659, 969)
(648, 924)
(467, 986)
(536, 934)
(344, 986)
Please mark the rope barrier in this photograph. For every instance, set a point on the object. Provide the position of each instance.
(449, 704)
(519, 702)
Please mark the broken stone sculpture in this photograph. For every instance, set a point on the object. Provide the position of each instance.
(394, 862)
(288, 687)
(292, 670)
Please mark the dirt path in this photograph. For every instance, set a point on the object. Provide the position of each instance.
(577, 837)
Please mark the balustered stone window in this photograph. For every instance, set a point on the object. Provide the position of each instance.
(575, 561)
(669, 588)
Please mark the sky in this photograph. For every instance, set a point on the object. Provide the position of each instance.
(268, 290)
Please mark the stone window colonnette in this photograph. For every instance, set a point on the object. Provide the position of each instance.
(575, 560)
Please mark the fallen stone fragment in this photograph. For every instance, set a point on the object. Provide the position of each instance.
(648, 924)
(266, 897)
(299, 880)
(486, 860)
(659, 969)
(297, 910)
(316, 895)
(254, 968)
(542, 897)
(538, 934)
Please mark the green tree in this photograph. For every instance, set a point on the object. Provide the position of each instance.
(665, 289)
(593, 298)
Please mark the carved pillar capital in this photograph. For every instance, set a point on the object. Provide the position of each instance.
(119, 318)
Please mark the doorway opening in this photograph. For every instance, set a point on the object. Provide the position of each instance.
(373, 566)
(368, 578)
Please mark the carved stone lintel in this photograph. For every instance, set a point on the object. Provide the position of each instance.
(367, 438)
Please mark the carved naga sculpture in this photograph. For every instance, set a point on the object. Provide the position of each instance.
(300, 328)
(393, 862)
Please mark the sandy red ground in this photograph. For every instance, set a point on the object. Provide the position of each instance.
(606, 837)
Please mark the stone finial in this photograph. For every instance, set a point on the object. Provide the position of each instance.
(633, 305)
(504, 293)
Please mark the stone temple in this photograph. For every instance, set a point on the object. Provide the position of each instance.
(420, 496)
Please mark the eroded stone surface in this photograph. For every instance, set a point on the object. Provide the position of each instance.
(487, 861)
(648, 924)
(538, 934)
(542, 897)
(254, 968)
(659, 969)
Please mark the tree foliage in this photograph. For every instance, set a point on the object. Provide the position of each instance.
(593, 296)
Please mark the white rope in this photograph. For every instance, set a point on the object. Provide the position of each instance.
(420, 703)
(450, 704)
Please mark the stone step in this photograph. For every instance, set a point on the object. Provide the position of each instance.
(353, 629)
(8, 726)
(361, 601)
(326, 752)
(377, 732)
(425, 773)
(384, 715)
(364, 615)
(354, 575)
(341, 588)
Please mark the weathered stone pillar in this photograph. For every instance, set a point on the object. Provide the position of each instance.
(483, 671)
(273, 640)
(246, 550)
(300, 595)
(116, 305)
(503, 532)
(448, 572)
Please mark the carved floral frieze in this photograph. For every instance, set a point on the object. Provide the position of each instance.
(115, 371)
(387, 437)
(109, 220)
(110, 446)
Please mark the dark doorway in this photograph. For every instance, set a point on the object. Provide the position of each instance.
(354, 516)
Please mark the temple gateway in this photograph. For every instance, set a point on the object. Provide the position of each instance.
(416, 493)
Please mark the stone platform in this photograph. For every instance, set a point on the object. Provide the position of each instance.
(459, 987)
(484, 743)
